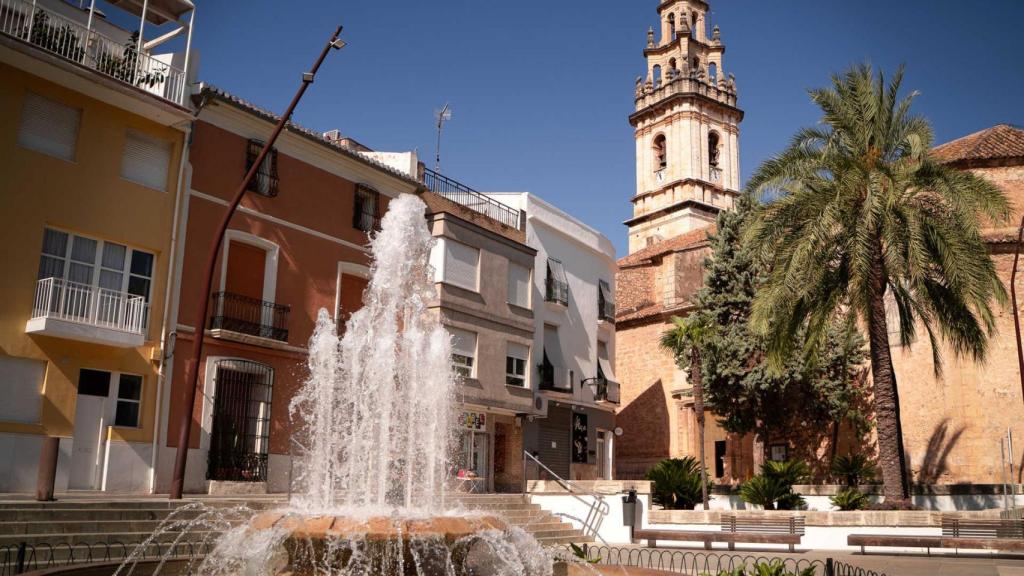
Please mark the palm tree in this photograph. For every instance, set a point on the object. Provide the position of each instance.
(863, 214)
(685, 340)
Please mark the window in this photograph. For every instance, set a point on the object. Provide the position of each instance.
(518, 285)
(608, 384)
(22, 383)
(657, 75)
(463, 352)
(146, 160)
(129, 397)
(554, 370)
(713, 141)
(366, 210)
(713, 73)
(265, 181)
(720, 451)
(779, 452)
(96, 264)
(557, 285)
(461, 265)
(605, 302)
(515, 364)
(93, 382)
(49, 127)
(660, 153)
(672, 26)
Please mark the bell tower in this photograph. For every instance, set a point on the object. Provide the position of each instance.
(686, 128)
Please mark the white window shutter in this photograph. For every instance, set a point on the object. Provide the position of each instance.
(516, 350)
(49, 127)
(146, 160)
(460, 265)
(463, 342)
(518, 285)
(22, 382)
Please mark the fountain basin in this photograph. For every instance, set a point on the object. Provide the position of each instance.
(376, 528)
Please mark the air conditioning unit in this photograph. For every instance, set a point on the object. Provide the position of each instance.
(540, 406)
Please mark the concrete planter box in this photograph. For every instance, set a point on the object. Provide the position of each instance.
(903, 518)
(593, 486)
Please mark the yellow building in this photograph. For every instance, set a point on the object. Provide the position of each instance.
(93, 125)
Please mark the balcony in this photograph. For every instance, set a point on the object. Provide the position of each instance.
(82, 44)
(556, 291)
(87, 313)
(464, 195)
(607, 391)
(605, 307)
(245, 319)
(555, 378)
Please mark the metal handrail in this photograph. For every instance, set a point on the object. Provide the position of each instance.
(567, 484)
(598, 508)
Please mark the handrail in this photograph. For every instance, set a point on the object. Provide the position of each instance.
(567, 484)
(598, 508)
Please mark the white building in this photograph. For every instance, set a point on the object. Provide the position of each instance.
(574, 342)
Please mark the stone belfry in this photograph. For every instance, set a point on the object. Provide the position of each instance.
(687, 128)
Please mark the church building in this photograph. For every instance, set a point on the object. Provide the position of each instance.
(687, 153)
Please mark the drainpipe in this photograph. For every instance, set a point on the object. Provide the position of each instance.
(168, 329)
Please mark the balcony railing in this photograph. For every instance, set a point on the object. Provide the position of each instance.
(607, 391)
(555, 291)
(245, 315)
(77, 43)
(59, 299)
(461, 194)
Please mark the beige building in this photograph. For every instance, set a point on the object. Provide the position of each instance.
(687, 152)
(953, 426)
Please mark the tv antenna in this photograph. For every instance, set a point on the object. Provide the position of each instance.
(443, 115)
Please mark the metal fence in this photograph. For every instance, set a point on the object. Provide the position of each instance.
(461, 194)
(701, 563)
(24, 557)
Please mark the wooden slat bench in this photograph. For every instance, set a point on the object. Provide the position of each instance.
(747, 530)
(957, 533)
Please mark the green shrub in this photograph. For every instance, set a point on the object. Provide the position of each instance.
(676, 483)
(854, 469)
(773, 487)
(850, 499)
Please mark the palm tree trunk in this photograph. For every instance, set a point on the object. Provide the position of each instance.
(698, 407)
(887, 414)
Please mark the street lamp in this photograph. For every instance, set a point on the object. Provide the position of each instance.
(203, 289)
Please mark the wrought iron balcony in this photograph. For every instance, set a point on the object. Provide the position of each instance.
(76, 42)
(461, 194)
(605, 308)
(87, 313)
(607, 391)
(555, 291)
(249, 316)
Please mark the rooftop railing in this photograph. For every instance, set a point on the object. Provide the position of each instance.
(461, 194)
(77, 43)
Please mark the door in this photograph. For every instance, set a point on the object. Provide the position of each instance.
(604, 455)
(240, 434)
(90, 424)
(554, 442)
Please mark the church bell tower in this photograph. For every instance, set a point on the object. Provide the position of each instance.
(686, 128)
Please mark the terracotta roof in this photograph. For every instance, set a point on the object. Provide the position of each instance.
(209, 91)
(997, 143)
(682, 242)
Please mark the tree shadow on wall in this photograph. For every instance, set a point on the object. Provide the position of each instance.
(936, 456)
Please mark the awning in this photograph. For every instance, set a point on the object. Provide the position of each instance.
(557, 271)
(158, 12)
(606, 291)
(606, 370)
(553, 351)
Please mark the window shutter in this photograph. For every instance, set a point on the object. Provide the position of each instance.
(49, 127)
(460, 265)
(22, 381)
(518, 285)
(146, 160)
(519, 351)
(463, 342)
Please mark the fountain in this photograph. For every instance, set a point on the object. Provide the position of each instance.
(374, 436)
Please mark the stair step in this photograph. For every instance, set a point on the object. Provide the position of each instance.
(96, 538)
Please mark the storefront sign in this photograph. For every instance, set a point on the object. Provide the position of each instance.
(476, 421)
(579, 438)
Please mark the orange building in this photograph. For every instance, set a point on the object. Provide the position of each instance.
(297, 244)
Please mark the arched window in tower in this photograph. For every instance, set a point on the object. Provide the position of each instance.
(673, 69)
(693, 25)
(696, 64)
(657, 75)
(713, 73)
(672, 26)
(660, 153)
(713, 155)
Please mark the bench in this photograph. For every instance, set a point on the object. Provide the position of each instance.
(787, 530)
(970, 533)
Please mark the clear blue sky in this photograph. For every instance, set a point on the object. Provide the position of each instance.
(541, 89)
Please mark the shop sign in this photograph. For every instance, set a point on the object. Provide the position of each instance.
(579, 438)
(476, 421)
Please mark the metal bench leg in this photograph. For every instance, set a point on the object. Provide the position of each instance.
(792, 548)
(732, 545)
(862, 550)
(651, 543)
(707, 544)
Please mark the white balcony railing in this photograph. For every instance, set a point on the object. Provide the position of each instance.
(74, 41)
(59, 299)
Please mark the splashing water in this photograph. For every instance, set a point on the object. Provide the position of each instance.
(375, 415)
